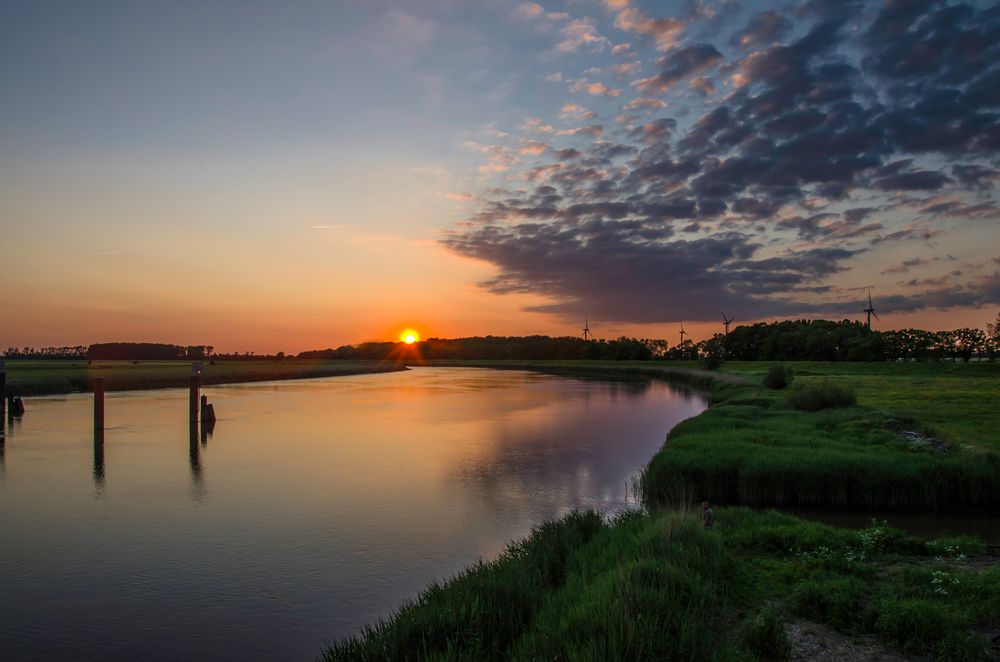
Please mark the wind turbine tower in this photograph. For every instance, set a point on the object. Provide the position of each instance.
(870, 310)
(587, 335)
(683, 333)
(727, 321)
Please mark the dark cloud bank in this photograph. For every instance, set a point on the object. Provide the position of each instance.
(849, 127)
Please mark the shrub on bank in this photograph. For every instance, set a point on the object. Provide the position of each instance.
(713, 356)
(778, 377)
(825, 394)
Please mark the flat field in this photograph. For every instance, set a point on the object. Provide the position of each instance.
(954, 401)
(50, 377)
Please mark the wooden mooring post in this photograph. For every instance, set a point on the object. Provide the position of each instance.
(3, 391)
(99, 455)
(98, 403)
(207, 411)
(193, 397)
(3, 398)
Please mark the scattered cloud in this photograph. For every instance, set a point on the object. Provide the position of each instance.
(575, 111)
(581, 32)
(830, 142)
(596, 89)
(664, 32)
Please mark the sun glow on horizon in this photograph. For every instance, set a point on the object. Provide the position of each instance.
(409, 336)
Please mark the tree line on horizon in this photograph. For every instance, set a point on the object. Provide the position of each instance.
(133, 351)
(792, 340)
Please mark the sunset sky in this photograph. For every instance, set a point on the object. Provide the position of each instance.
(293, 175)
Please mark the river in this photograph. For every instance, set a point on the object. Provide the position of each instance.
(312, 508)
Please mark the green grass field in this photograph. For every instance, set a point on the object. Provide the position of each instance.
(955, 401)
(28, 378)
(660, 587)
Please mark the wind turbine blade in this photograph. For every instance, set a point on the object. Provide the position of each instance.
(876, 315)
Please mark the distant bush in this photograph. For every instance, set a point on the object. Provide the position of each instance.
(764, 635)
(821, 395)
(712, 358)
(778, 377)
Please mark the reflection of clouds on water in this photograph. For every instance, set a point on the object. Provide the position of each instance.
(578, 449)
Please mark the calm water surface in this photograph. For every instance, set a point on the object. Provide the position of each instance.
(313, 507)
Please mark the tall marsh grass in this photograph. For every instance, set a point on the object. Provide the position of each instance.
(581, 588)
(751, 448)
(659, 587)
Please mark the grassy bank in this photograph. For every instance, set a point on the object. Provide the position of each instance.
(31, 377)
(660, 587)
(753, 447)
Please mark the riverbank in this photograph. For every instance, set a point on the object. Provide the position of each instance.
(651, 587)
(921, 436)
(761, 585)
(31, 377)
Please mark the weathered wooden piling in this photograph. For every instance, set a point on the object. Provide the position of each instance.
(194, 455)
(207, 410)
(193, 398)
(3, 391)
(98, 385)
(207, 428)
(99, 455)
(3, 399)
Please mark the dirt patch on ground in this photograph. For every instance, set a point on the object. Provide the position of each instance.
(978, 562)
(812, 641)
(918, 440)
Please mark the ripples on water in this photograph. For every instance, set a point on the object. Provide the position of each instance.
(312, 508)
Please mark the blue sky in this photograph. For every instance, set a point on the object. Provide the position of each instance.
(331, 171)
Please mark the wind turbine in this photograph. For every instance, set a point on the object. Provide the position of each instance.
(587, 335)
(870, 309)
(727, 322)
(683, 333)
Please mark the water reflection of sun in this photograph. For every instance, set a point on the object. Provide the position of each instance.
(409, 336)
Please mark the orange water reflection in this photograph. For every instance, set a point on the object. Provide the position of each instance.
(311, 508)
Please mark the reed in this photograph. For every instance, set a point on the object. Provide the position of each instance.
(658, 586)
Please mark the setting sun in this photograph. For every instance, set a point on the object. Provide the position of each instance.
(409, 336)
